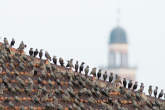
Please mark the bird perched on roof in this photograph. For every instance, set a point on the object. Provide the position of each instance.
(155, 91)
(55, 60)
(150, 90)
(61, 61)
(111, 77)
(86, 70)
(130, 84)
(141, 87)
(41, 53)
(31, 51)
(93, 72)
(99, 74)
(161, 94)
(81, 67)
(12, 42)
(5, 41)
(105, 76)
(135, 85)
(118, 81)
(70, 63)
(35, 52)
(22, 46)
(47, 56)
(125, 82)
(76, 66)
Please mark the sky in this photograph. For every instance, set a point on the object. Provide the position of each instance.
(80, 29)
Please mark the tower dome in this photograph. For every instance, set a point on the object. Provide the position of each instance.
(118, 35)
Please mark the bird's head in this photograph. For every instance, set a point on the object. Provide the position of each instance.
(156, 87)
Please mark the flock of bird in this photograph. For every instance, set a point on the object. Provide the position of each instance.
(80, 68)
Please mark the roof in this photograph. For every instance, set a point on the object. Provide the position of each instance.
(118, 35)
(30, 83)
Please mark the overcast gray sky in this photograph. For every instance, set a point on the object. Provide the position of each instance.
(80, 29)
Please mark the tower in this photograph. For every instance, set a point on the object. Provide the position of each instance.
(118, 60)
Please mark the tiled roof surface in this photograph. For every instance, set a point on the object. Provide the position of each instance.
(28, 83)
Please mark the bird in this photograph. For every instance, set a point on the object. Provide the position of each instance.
(12, 42)
(135, 85)
(81, 67)
(155, 91)
(55, 60)
(86, 70)
(31, 51)
(76, 66)
(141, 87)
(150, 90)
(99, 74)
(125, 82)
(111, 77)
(61, 61)
(161, 94)
(93, 72)
(70, 63)
(105, 76)
(47, 56)
(22, 46)
(41, 53)
(67, 65)
(35, 52)
(130, 84)
(6, 41)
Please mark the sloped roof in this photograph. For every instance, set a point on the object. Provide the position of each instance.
(28, 83)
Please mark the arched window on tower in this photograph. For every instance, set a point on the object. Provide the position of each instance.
(112, 59)
(118, 59)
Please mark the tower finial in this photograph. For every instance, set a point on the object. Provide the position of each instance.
(118, 11)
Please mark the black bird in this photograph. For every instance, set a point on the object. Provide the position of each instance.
(47, 56)
(67, 65)
(55, 60)
(61, 61)
(155, 91)
(76, 66)
(5, 41)
(41, 53)
(31, 51)
(105, 76)
(141, 87)
(161, 94)
(125, 82)
(93, 72)
(81, 67)
(86, 70)
(135, 85)
(35, 52)
(130, 84)
(99, 74)
(111, 77)
(12, 42)
(150, 90)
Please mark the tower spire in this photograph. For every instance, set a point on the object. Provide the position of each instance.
(118, 12)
